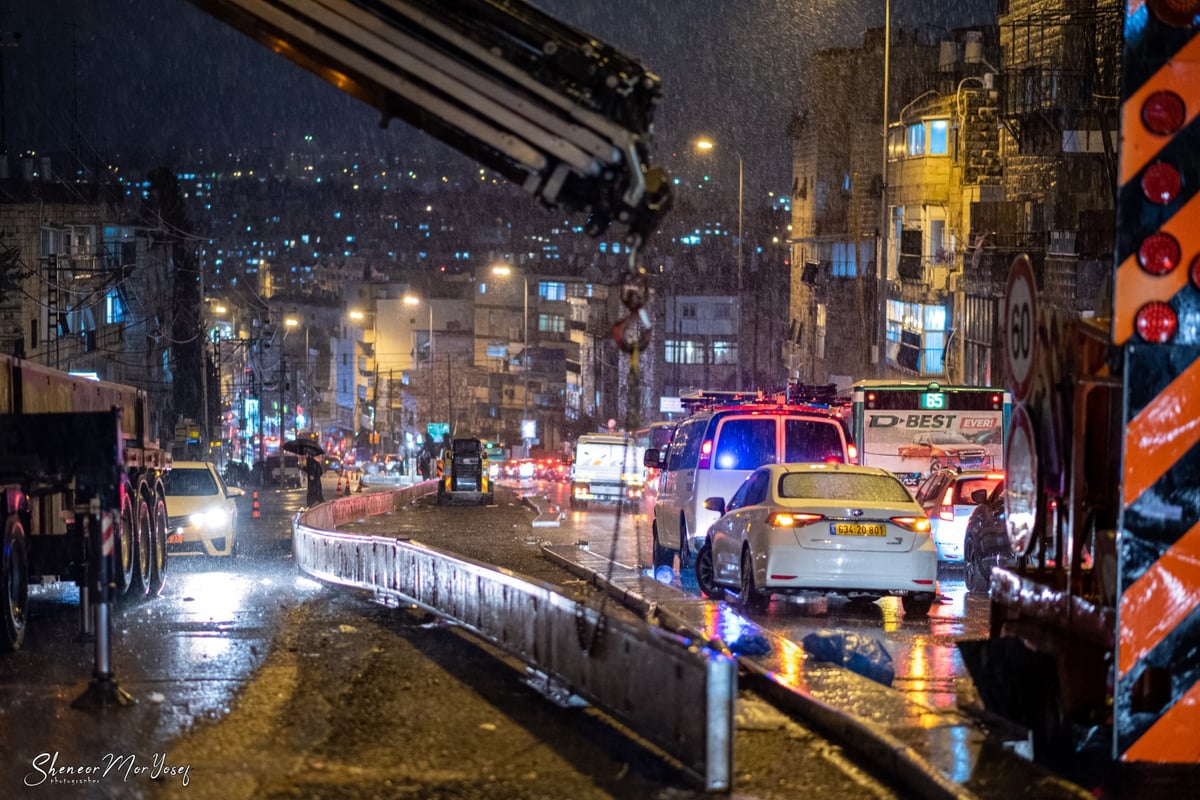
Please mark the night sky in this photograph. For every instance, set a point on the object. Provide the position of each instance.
(140, 75)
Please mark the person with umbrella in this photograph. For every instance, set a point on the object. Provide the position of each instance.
(312, 466)
(313, 469)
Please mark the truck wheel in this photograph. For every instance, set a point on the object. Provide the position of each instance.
(158, 547)
(126, 533)
(14, 585)
(142, 549)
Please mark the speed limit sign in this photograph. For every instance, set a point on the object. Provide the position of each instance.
(1020, 327)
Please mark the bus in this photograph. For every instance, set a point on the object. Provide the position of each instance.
(911, 428)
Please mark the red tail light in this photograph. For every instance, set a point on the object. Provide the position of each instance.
(852, 453)
(946, 510)
(783, 519)
(705, 453)
(914, 524)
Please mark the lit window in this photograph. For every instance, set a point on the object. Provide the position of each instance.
(938, 136)
(916, 139)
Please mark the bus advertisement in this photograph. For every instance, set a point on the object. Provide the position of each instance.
(911, 428)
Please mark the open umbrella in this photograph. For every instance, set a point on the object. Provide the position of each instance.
(303, 447)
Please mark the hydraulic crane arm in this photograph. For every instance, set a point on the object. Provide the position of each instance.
(565, 116)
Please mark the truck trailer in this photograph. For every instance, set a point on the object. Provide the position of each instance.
(83, 492)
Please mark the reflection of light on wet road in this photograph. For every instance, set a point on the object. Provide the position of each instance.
(790, 671)
(213, 597)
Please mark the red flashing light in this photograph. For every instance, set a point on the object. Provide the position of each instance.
(1176, 13)
(1163, 113)
(1159, 253)
(1161, 183)
(852, 453)
(705, 454)
(1156, 323)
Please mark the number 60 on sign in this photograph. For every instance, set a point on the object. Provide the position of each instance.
(1020, 327)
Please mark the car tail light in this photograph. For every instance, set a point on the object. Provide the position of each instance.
(706, 453)
(914, 524)
(946, 509)
(852, 453)
(784, 519)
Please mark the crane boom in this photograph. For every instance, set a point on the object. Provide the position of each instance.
(566, 117)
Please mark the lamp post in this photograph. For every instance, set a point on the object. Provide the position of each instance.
(291, 323)
(504, 271)
(413, 300)
(706, 145)
(884, 216)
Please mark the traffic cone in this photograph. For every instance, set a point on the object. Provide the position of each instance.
(254, 512)
(339, 489)
(359, 489)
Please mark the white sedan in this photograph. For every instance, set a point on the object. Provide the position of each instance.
(201, 509)
(831, 528)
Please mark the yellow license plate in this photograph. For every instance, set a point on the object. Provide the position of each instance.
(858, 529)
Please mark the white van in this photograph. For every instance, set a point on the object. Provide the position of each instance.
(713, 451)
(607, 469)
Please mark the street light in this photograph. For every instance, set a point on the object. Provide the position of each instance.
(504, 271)
(290, 324)
(884, 216)
(413, 300)
(706, 145)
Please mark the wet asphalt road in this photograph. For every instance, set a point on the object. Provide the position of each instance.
(249, 680)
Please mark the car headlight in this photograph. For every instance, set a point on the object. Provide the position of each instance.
(213, 518)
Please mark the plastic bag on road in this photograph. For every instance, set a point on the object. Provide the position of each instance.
(864, 655)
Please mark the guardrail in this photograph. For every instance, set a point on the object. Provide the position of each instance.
(677, 695)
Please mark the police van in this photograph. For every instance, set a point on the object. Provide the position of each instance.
(717, 447)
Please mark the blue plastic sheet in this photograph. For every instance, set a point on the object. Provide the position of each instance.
(864, 655)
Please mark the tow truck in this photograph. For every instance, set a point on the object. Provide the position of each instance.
(1094, 643)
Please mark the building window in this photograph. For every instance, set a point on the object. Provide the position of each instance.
(553, 291)
(937, 242)
(683, 351)
(723, 311)
(819, 335)
(724, 352)
(687, 311)
(916, 337)
(114, 307)
(552, 323)
(928, 137)
(939, 130)
(842, 258)
(916, 139)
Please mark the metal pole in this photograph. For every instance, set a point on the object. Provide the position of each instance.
(740, 355)
(525, 397)
(884, 216)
